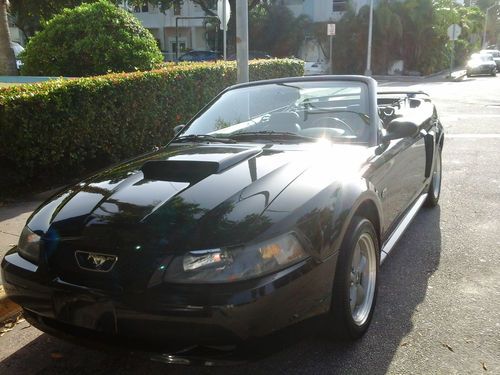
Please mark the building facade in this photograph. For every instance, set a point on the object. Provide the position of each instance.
(192, 33)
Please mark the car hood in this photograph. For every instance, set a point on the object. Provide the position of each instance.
(184, 197)
(190, 196)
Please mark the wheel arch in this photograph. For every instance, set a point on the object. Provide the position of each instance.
(368, 206)
(368, 209)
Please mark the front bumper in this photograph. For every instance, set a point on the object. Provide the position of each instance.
(170, 313)
(482, 69)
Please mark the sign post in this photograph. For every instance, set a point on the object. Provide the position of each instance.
(453, 33)
(331, 32)
(223, 12)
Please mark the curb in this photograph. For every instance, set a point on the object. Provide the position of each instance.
(459, 76)
(8, 309)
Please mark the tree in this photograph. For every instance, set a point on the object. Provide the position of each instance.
(28, 15)
(91, 39)
(388, 35)
(274, 29)
(7, 58)
(412, 30)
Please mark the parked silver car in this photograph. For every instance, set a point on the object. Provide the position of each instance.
(481, 64)
(493, 53)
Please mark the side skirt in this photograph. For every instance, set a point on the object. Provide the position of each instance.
(400, 229)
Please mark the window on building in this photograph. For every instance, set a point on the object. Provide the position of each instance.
(339, 5)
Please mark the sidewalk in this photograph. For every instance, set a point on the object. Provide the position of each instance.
(456, 75)
(12, 219)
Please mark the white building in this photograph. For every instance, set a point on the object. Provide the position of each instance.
(323, 10)
(192, 33)
(16, 35)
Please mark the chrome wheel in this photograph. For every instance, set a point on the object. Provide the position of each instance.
(436, 177)
(362, 279)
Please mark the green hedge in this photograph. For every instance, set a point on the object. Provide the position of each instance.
(53, 131)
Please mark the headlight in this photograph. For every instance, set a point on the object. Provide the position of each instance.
(235, 264)
(29, 245)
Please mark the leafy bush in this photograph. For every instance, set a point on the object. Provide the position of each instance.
(53, 131)
(91, 39)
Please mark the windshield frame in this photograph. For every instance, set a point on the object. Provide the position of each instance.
(372, 139)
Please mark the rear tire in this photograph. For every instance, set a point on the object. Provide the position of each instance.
(356, 281)
(435, 187)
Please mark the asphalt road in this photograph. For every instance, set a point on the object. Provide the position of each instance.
(438, 310)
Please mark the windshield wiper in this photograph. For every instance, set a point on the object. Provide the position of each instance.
(202, 138)
(273, 135)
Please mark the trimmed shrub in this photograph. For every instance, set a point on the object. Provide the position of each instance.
(50, 132)
(91, 39)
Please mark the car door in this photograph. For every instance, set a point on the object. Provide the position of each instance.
(399, 175)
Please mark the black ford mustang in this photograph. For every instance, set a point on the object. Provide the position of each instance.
(277, 202)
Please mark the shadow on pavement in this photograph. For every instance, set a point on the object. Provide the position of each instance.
(13, 210)
(297, 350)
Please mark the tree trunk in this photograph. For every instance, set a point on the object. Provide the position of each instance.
(231, 28)
(7, 57)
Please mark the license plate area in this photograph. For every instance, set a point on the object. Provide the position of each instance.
(85, 311)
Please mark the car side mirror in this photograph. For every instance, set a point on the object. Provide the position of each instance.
(178, 129)
(400, 128)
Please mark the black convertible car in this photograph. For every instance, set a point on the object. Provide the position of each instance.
(277, 202)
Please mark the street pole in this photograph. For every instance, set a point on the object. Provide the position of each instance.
(331, 54)
(452, 57)
(486, 23)
(368, 71)
(224, 25)
(242, 40)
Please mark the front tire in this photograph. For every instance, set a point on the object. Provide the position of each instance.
(356, 281)
(435, 187)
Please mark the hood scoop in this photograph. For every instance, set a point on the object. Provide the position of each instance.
(192, 171)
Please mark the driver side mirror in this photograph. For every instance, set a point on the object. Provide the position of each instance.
(178, 129)
(400, 128)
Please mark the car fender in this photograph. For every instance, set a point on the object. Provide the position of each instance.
(323, 219)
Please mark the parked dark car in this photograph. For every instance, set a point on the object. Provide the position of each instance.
(495, 54)
(481, 64)
(200, 56)
(253, 55)
(276, 203)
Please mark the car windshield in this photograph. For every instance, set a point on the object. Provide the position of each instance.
(294, 111)
(482, 58)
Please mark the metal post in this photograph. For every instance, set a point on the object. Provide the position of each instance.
(224, 25)
(242, 40)
(452, 55)
(177, 39)
(331, 54)
(368, 71)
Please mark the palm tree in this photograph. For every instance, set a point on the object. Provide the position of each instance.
(7, 58)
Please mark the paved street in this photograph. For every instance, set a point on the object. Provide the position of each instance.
(438, 310)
